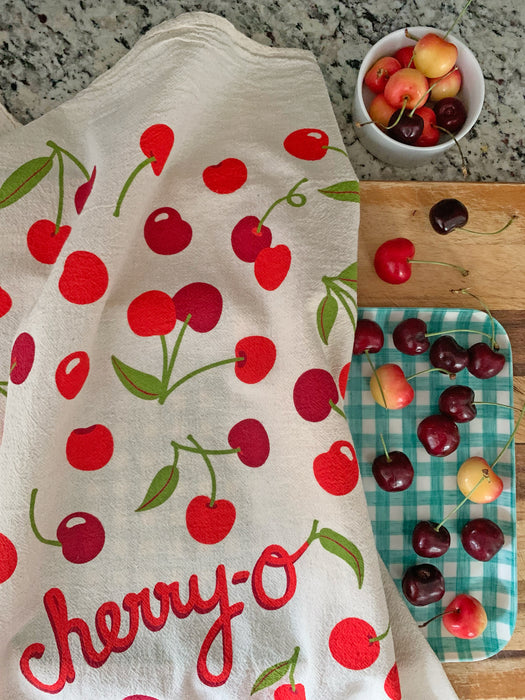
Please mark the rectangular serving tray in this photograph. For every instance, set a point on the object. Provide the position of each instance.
(434, 491)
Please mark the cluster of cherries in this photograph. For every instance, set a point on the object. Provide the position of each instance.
(478, 482)
(406, 83)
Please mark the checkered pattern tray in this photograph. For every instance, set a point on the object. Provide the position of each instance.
(434, 492)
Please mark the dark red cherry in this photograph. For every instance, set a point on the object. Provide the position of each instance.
(407, 129)
(423, 584)
(446, 353)
(368, 336)
(457, 402)
(438, 434)
(393, 473)
(429, 541)
(483, 361)
(450, 114)
(447, 215)
(409, 336)
(482, 538)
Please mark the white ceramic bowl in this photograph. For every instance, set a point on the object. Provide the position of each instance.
(394, 152)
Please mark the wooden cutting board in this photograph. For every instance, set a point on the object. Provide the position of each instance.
(496, 267)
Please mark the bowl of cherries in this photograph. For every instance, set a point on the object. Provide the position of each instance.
(419, 91)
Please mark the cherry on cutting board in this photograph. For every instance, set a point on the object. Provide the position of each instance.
(394, 258)
(423, 584)
(392, 470)
(482, 538)
(438, 434)
(450, 214)
(409, 336)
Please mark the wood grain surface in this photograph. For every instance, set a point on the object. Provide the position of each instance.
(496, 267)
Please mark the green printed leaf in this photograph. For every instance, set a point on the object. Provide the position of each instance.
(346, 191)
(336, 544)
(140, 384)
(349, 276)
(326, 315)
(271, 675)
(163, 485)
(24, 179)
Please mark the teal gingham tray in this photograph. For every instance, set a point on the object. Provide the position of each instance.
(434, 492)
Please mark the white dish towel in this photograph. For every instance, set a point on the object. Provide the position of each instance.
(181, 513)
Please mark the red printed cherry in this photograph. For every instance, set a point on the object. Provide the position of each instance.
(81, 536)
(447, 354)
(337, 470)
(354, 643)
(44, 242)
(250, 437)
(72, 373)
(248, 239)
(369, 337)
(315, 394)
(83, 191)
(286, 692)
(152, 313)
(258, 353)
(156, 142)
(430, 539)
(438, 434)
(482, 538)
(84, 279)
(271, 266)
(5, 302)
(457, 402)
(166, 232)
(209, 523)
(225, 177)
(405, 127)
(392, 686)
(483, 361)
(447, 215)
(307, 144)
(203, 301)
(450, 114)
(393, 261)
(409, 336)
(8, 558)
(22, 358)
(423, 584)
(90, 448)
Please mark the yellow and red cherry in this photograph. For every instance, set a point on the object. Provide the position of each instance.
(483, 361)
(166, 232)
(337, 471)
(446, 86)
(447, 354)
(471, 472)
(410, 336)
(405, 127)
(438, 434)
(404, 56)
(429, 135)
(202, 302)
(423, 584)
(390, 387)
(465, 617)
(377, 76)
(394, 258)
(430, 539)
(450, 114)
(434, 56)
(392, 470)
(368, 337)
(406, 88)
(482, 538)
(380, 111)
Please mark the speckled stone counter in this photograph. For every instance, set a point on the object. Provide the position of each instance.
(51, 49)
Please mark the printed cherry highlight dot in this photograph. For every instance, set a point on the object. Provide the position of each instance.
(152, 313)
(84, 279)
(89, 449)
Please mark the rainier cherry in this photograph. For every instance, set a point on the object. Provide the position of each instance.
(390, 387)
(434, 56)
(380, 111)
(464, 617)
(406, 88)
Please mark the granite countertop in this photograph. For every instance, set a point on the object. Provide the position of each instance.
(51, 49)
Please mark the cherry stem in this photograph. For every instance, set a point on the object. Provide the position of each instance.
(462, 330)
(511, 437)
(411, 36)
(401, 112)
(374, 372)
(429, 90)
(340, 294)
(208, 463)
(71, 157)
(186, 448)
(334, 148)
(60, 191)
(489, 233)
(441, 614)
(452, 375)
(494, 403)
(313, 533)
(190, 375)
(36, 532)
(3, 391)
(128, 182)
(469, 494)
(167, 365)
(380, 636)
(338, 410)
(494, 345)
(464, 169)
(287, 198)
(458, 18)
(388, 457)
(446, 264)
(293, 664)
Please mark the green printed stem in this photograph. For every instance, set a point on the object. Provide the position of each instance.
(293, 664)
(167, 365)
(385, 450)
(487, 310)
(469, 494)
(287, 198)
(445, 264)
(71, 157)
(36, 532)
(176, 347)
(511, 437)
(2, 390)
(201, 450)
(208, 463)
(313, 533)
(458, 18)
(60, 191)
(334, 148)
(195, 372)
(338, 410)
(165, 360)
(340, 294)
(380, 636)
(128, 182)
